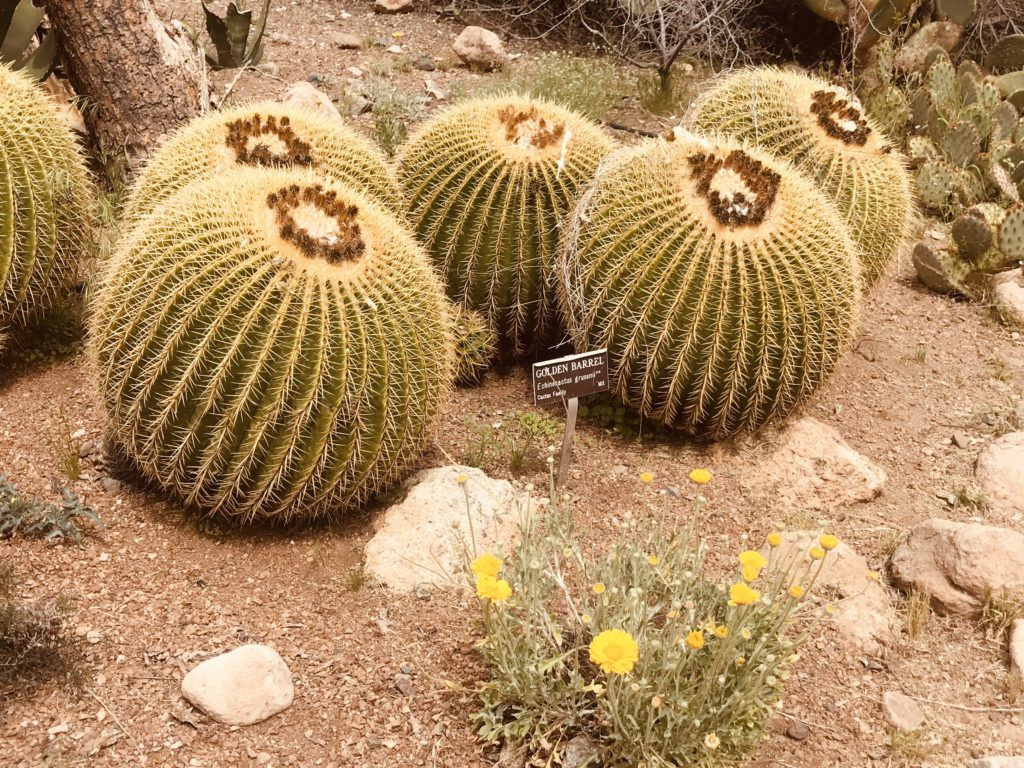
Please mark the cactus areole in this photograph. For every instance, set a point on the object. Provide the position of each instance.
(489, 183)
(272, 346)
(722, 282)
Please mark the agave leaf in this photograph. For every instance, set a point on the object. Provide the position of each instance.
(18, 23)
(230, 36)
(39, 64)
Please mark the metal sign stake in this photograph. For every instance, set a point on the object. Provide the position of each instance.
(570, 432)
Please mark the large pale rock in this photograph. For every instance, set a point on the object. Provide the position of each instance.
(241, 687)
(997, 762)
(864, 616)
(937, 34)
(1008, 294)
(479, 48)
(305, 95)
(814, 469)
(392, 6)
(901, 712)
(1017, 656)
(1000, 473)
(419, 540)
(958, 564)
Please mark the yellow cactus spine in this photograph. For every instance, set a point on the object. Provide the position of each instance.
(271, 346)
(823, 130)
(489, 183)
(723, 283)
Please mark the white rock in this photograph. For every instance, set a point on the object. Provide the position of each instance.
(305, 95)
(1000, 473)
(392, 6)
(901, 712)
(864, 616)
(479, 48)
(814, 469)
(1008, 294)
(997, 762)
(241, 687)
(419, 539)
(1017, 655)
(958, 564)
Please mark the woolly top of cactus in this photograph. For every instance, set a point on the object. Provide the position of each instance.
(267, 135)
(520, 129)
(830, 113)
(737, 192)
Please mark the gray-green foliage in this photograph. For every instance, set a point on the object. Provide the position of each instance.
(394, 111)
(591, 86)
(26, 516)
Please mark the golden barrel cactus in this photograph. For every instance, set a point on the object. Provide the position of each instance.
(488, 184)
(271, 346)
(823, 130)
(266, 135)
(722, 281)
(46, 204)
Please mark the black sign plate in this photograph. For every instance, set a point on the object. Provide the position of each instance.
(573, 376)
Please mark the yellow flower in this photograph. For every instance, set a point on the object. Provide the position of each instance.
(874, 575)
(673, 614)
(796, 591)
(741, 594)
(646, 477)
(490, 588)
(598, 588)
(721, 631)
(828, 541)
(398, 34)
(740, 661)
(817, 553)
(752, 562)
(774, 539)
(614, 651)
(486, 565)
(830, 609)
(711, 741)
(745, 633)
(652, 560)
(695, 639)
(461, 479)
(700, 476)
(586, 618)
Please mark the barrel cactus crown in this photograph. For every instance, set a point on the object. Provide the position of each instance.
(823, 130)
(721, 280)
(46, 207)
(488, 183)
(275, 350)
(268, 135)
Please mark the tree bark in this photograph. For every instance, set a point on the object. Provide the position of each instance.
(138, 80)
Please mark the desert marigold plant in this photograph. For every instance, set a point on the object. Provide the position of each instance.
(641, 649)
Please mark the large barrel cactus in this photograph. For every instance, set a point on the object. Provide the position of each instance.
(488, 183)
(46, 212)
(271, 346)
(722, 281)
(268, 135)
(823, 130)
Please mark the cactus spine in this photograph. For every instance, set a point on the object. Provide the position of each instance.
(271, 346)
(46, 211)
(268, 135)
(823, 131)
(488, 183)
(475, 346)
(722, 281)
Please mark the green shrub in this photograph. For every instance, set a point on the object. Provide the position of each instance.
(639, 648)
(26, 516)
(590, 86)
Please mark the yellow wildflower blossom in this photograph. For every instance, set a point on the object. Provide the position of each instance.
(816, 553)
(828, 541)
(774, 539)
(490, 588)
(695, 639)
(796, 591)
(598, 588)
(741, 594)
(753, 563)
(721, 631)
(614, 651)
(700, 476)
(646, 477)
(652, 560)
(486, 565)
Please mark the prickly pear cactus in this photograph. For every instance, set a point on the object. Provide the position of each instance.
(46, 206)
(488, 183)
(475, 346)
(824, 132)
(271, 346)
(262, 135)
(723, 282)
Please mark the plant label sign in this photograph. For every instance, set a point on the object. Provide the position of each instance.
(570, 377)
